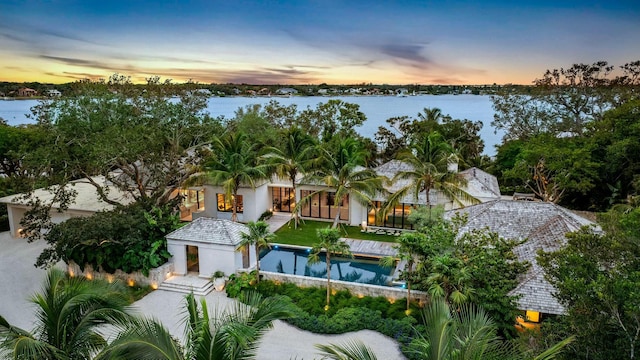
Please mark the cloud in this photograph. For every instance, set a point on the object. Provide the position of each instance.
(409, 52)
(77, 62)
(65, 36)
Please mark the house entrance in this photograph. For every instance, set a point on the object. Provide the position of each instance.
(193, 264)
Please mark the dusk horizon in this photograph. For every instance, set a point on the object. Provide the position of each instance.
(332, 42)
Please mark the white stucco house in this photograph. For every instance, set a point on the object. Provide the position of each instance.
(274, 195)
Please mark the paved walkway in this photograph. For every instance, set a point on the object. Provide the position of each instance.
(282, 342)
(277, 221)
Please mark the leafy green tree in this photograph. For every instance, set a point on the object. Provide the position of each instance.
(462, 135)
(554, 168)
(71, 314)
(234, 162)
(335, 117)
(260, 237)
(596, 278)
(342, 169)
(330, 244)
(116, 135)
(293, 158)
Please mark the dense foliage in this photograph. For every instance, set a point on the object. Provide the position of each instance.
(129, 239)
(597, 276)
(347, 312)
(573, 138)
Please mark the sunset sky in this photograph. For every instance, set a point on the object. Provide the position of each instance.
(312, 42)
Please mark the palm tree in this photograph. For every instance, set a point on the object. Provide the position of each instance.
(344, 170)
(260, 236)
(354, 350)
(430, 115)
(331, 244)
(232, 334)
(292, 159)
(428, 163)
(467, 333)
(70, 313)
(234, 162)
(449, 279)
(407, 250)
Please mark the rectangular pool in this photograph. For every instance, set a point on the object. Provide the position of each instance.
(294, 261)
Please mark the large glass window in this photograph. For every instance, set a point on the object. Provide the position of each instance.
(283, 199)
(323, 206)
(396, 218)
(225, 204)
(193, 199)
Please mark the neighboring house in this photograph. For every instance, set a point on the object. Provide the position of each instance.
(86, 203)
(26, 92)
(286, 91)
(53, 93)
(544, 226)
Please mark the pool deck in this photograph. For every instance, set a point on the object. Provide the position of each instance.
(371, 248)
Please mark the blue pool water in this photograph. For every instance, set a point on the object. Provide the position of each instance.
(294, 261)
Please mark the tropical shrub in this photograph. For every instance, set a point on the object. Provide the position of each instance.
(129, 239)
(237, 283)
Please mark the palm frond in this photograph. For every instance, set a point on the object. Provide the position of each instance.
(354, 350)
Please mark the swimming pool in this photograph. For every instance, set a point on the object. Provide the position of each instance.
(295, 261)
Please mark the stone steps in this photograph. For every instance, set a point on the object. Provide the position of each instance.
(187, 284)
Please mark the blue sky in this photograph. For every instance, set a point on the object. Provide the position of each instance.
(303, 42)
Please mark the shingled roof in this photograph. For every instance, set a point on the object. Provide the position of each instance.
(211, 231)
(544, 225)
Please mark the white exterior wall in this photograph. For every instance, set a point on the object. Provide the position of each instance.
(211, 257)
(255, 202)
(178, 253)
(357, 213)
(16, 214)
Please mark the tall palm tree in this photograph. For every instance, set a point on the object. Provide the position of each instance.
(330, 244)
(407, 250)
(343, 170)
(292, 159)
(234, 163)
(70, 313)
(260, 236)
(428, 168)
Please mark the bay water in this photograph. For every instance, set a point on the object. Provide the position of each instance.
(376, 108)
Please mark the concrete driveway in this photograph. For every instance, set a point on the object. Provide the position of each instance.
(19, 280)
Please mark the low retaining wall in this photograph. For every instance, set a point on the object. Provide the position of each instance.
(357, 289)
(155, 278)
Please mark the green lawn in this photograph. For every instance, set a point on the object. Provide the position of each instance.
(305, 234)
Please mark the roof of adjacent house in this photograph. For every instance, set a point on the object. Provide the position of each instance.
(543, 225)
(211, 231)
(480, 184)
(86, 199)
